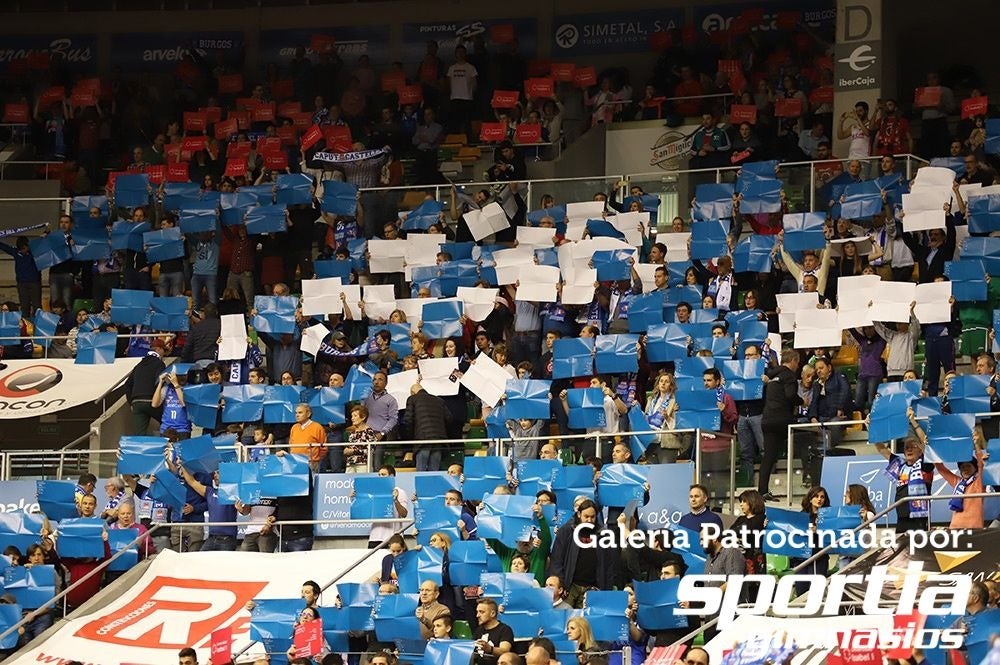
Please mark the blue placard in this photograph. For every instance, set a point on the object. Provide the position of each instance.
(613, 265)
(708, 239)
(373, 498)
(82, 537)
(239, 481)
(141, 455)
(804, 231)
(572, 357)
(57, 499)
(586, 408)
(286, 475)
(712, 201)
(788, 522)
(482, 475)
(616, 354)
(760, 195)
(339, 198)
(527, 399)
(618, 484)
(293, 189)
(264, 219)
(657, 602)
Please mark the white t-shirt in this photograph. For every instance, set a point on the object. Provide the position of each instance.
(461, 75)
(860, 143)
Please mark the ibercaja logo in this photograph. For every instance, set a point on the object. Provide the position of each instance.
(173, 613)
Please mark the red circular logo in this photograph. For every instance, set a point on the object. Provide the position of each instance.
(29, 381)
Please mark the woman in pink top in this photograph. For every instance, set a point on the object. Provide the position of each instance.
(966, 513)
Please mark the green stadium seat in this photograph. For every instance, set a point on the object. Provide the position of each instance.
(83, 303)
(460, 630)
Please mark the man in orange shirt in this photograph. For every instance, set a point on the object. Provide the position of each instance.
(307, 437)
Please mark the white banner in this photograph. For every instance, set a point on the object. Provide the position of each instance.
(30, 388)
(182, 598)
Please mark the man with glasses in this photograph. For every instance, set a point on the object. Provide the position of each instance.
(974, 174)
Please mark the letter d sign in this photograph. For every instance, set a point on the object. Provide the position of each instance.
(857, 23)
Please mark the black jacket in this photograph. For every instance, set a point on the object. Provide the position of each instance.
(932, 266)
(781, 396)
(203, 340)
(426, 416)
(144, 379)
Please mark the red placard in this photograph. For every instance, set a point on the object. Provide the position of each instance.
(504, 99)
(739, 113)
(660, 41)
(52, 95)
(904, 622)
(539, 67)
(286, 109)
(83, 98)
(226, 128)
(236, 168)
(666, 655)
(157, 173)
(178, 172)
(927, 97)
(563, 71)
(787, 107)
(263, 113)
(502, 33)
(322, 43)
(91, 85)
(789, 19)
(584, 77)
(222, 645)
(195, 121)
(867, 656)
(242, 118)
(492, 132)
(230, 84)
(286, 133)
(539, 87)
(15, 113)
(821, 95)
(730, 67)
(410, 94)
(528, 132)
(38, 60)
(247, 103)
(268, 144)
(283, 89)
(392, 81)
(238, 150)
(307, 638)
(276, 161)
(212, 113)
(974, 106)
(302, 120)
(194, 143)
(338, 138)
(311, 137)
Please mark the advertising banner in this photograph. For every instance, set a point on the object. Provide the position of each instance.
(449, 34)
(611, 32)
(30, 388)
(163, 51)
(79, 51)
(350, 42)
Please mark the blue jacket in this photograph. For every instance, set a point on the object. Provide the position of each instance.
(25, 269)
(196, 500)
(827, 400)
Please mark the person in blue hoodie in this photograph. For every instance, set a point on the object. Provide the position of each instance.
(29, 277)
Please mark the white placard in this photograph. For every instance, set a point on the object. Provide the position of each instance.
(789, 304)
(935, 176)
(482, 223)
(633, 225)
(926, 198)
(380, 301)
(890, 312)
(477, 303)
(575, 230)
(647, 275)
(234, 337)
(923, 220)
(538, 275)
(386, 255)
(577, 294)
(321, 296)
(933, 302)
(413, 308)
(854, 318)
(435, 373)
(677, 245)
(536, 293)
(902, 292)
(398, 385)
(816, 329)
(584, 210)
(486, 380)
(530, 236)
(856, 287)
(312, 338)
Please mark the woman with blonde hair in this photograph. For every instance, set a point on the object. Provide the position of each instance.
(588, 651)
(661, 413)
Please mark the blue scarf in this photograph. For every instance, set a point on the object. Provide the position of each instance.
(913, 477)
(957, 504)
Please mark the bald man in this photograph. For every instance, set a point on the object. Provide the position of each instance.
(429, 608)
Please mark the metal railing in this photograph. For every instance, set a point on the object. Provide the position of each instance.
(826, 550)
(135, 543)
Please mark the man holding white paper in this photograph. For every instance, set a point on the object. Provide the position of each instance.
(939, 248)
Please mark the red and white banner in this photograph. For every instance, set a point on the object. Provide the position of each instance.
(182, 599)
(30, 388)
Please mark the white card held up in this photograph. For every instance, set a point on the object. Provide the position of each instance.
(536, 292)
(380, 301)
(789, 304)
(436, 376)
(538, 275)
(923, 220)
(577, 294)
(321, 296)
(935, 176)
(530, 236)
(857, 287)
(486, 380)
(398, 385)
(312, 338)
(584, 210)
(926, 198)
(234, 337)
(647, 275)
(677, 245)
(477, 303)
(482, 223)
(854, 318)
(386, 255)
(575, 230)
(933, 302)
(633, 225)
(413, 308)
(817, 329)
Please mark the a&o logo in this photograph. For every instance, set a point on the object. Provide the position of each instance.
(30, 381)
(172, 613)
